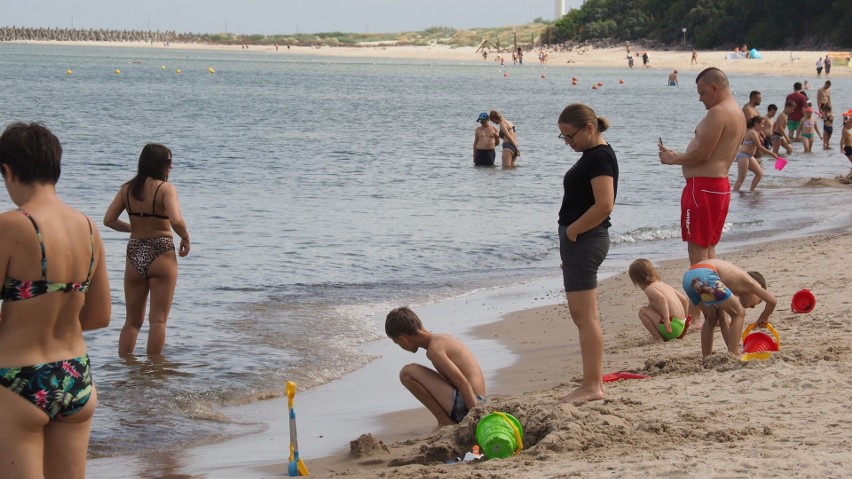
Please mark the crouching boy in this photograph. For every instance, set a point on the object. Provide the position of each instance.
(455, 386)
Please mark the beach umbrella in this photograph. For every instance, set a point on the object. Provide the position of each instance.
(296, 467)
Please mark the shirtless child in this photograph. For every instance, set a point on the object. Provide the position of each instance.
(455, 386)
(722, 291)
(779, 129)
(666, 305)
(768, 123)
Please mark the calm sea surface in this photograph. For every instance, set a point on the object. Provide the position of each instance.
(319, 191)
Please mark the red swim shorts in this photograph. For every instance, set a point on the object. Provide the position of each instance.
(703, 209)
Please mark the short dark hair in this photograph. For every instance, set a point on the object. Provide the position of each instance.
(759, 278)
(401, 321)
(753, 94)
(797, 85)
(772, 106)
(32, 152)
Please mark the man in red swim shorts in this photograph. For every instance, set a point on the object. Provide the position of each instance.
(705, 163)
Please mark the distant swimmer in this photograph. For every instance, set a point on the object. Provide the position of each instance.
(673, 79)
(485, 139)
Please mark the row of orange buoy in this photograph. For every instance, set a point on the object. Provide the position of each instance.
(162, 67)
(595, 86)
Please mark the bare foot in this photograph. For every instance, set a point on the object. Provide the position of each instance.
(582, 394)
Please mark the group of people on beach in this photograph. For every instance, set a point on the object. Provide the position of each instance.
(55, 286)
(798, 122)
(712, 287)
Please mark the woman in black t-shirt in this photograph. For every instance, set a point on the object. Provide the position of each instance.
(590, 185)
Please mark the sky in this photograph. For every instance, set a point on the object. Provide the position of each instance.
(275, 16)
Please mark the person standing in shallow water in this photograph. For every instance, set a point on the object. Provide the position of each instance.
(152, 205)
(55, 286)
(510, 141)
(590, 188)
(485, 139)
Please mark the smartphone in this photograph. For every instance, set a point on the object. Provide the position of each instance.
(661, 141)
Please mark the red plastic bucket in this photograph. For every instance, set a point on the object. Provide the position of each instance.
(803, 301)
(758, 342)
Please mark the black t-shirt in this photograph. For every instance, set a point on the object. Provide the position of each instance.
(579, 197)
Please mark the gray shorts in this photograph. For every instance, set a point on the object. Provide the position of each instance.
(582, 258)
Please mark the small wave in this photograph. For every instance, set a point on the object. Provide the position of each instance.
(648, 233)
(242, 289)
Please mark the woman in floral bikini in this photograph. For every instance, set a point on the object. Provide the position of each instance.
(55, 287)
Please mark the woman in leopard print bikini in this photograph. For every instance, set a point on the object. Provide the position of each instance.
(151, 260)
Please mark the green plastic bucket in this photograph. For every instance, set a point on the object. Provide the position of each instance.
(499, 435)
(677, 329)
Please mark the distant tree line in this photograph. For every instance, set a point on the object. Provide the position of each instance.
(712, 24)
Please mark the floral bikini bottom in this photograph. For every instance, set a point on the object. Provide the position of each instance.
(60, 389)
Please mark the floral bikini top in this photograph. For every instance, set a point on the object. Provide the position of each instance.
(14, 290)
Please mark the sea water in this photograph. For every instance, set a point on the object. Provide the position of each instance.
(320, 191)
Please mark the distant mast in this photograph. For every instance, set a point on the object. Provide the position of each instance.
(560, 9)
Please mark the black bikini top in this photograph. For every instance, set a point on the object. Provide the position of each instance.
(153, 213)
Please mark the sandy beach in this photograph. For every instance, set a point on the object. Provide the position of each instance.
(791, 63)
(719, 417)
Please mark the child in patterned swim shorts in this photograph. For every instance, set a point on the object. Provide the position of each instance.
(723, 291)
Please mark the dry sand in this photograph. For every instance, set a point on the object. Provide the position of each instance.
(787, 416)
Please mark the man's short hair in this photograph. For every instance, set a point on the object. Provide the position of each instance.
(401, 321)
(771, 107)
(753, 94)
(713, 76)
(797, 85)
